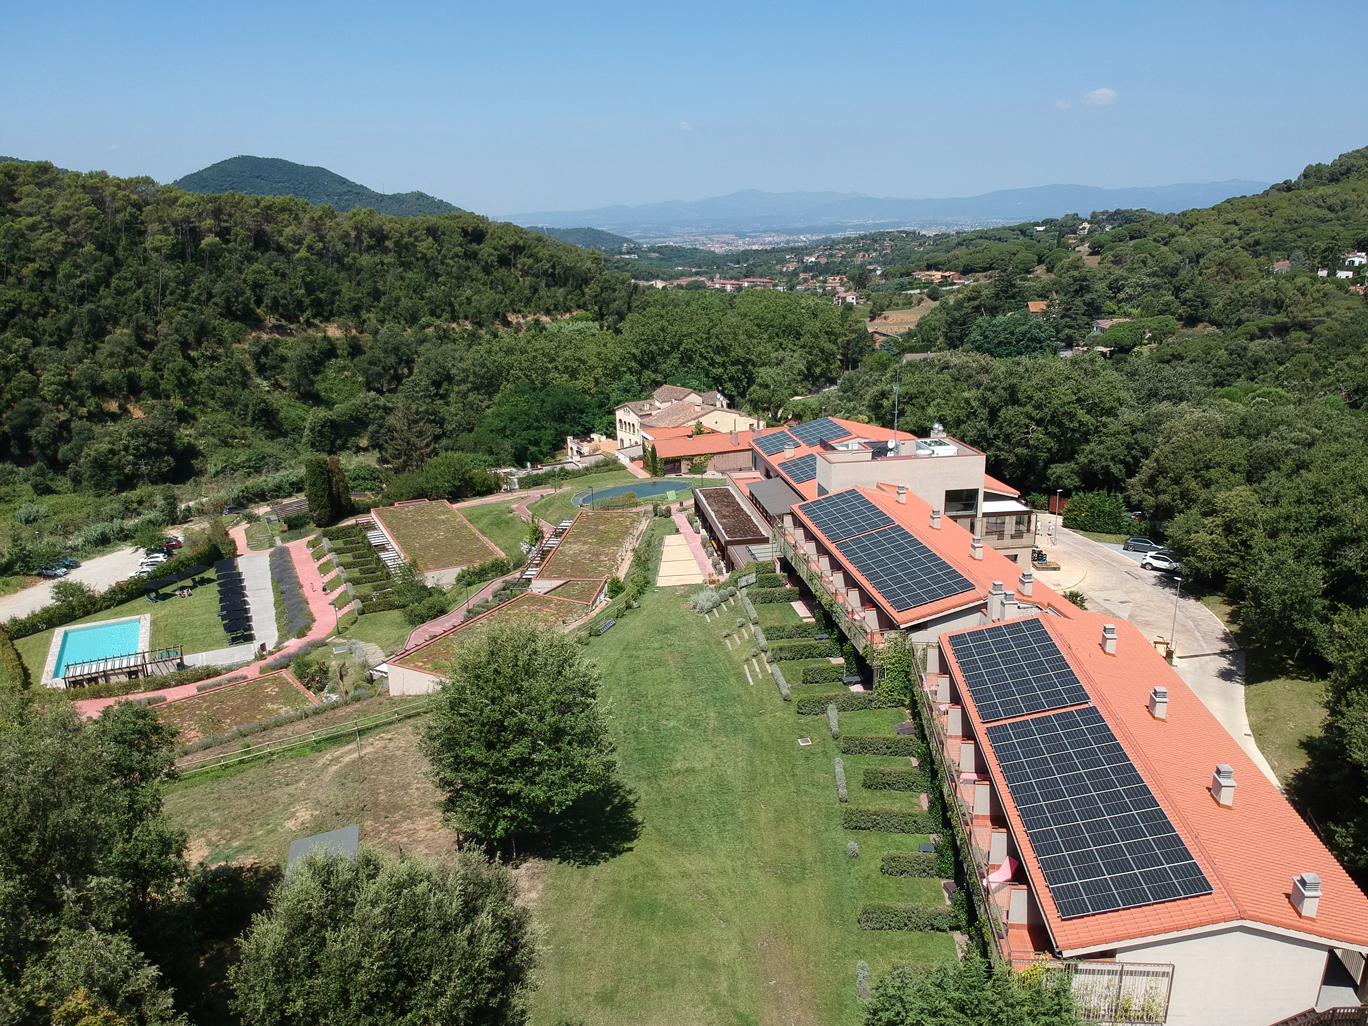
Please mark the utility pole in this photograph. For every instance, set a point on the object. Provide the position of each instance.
(1173, 631)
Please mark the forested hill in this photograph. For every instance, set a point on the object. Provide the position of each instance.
(589, 238)
(271, 176)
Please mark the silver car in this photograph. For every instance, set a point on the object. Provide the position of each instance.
(1164, 561)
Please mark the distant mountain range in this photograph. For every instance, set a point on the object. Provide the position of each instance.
(271, 176)
(807, 213)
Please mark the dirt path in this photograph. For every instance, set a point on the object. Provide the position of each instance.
(1208, 659)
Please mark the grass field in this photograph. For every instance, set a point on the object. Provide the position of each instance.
(389, 629)
(434, 535)
(557, 506)
(578, 591)
(192, 622)
(497, 522)
(224, 708)
(737, 902)
(590, 549)
(259, 536)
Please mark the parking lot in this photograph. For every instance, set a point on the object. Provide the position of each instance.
(1112, 581)
(100, 573)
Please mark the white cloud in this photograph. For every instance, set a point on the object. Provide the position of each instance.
(1100, 97)
(1062, 104)
(684, 126)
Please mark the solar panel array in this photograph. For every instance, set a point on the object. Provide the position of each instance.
(1102, 840)
(823, 429)
(800, 468)
(905, 572)
(775, 443)
(844, 515)
(1015, 668)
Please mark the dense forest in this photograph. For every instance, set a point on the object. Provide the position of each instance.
(149, 336)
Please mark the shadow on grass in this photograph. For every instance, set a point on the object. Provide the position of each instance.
(598, 827)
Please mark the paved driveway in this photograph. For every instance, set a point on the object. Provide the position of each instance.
(1208, 659)
(100, 573)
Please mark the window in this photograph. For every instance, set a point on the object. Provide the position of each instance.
(995, 527)
(961, 500)
(1023, 524)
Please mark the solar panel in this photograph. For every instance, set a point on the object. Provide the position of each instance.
(903, 570)
(1102, 840)
(823, 429)
(844, 515)
(773, 444)
(1015, 668)
(800, 468)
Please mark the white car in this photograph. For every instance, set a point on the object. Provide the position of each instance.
(1163, 561)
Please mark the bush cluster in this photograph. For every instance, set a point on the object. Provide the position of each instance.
(13, 676)
(888, 916)
(910, 863)
(900, 745)
(784, 691)
(794, 631)
(763, 580)
(823, 674)
(762, 595)
(889, 821)
(807, 650)
(895, 778)
(844, 701)
(833, 721)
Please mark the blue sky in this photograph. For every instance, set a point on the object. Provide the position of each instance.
(510, 107)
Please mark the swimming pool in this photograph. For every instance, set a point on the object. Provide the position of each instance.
(97, 641)
(652, 489)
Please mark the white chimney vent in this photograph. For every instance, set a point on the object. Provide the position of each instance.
(1109, 638)
(902, 494)
(935, 519)
(1306, 894)
(995, 594)
(1223, 786)
(1026, 582)
(1009, 606)
(976, 547)
(1158, 703)
(788, 452)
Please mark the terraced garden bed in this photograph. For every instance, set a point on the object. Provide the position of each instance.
(237, 705)
(544, 610)
(578, 591)
(434, 536)
(592, 547)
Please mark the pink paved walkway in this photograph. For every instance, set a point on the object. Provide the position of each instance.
(323, 624)
(695, 543)
(427, 631)
(636, 471)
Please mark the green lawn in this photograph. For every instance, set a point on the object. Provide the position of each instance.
(192, 622)
(259, 536)
(497, 522)
(389, 629)
(1284, 712)
(737, 903)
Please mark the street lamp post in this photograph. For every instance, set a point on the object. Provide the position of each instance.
(466, 586)
(1173, 631)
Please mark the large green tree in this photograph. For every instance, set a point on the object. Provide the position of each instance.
(388, 942)
(515, 736)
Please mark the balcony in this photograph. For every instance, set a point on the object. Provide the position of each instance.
(1112, 992)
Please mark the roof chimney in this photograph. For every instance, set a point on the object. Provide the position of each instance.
(935, 519)
(902, 494)
(1306, 895)
(735, 437)
(1158, 702)
(1025, 582)
(788, 452)
(995, 602)
(976, 547)
(937, 430)
(1109, 638)
(1223, 789)
(1009, 606)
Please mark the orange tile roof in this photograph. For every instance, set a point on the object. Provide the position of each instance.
(992, 484)
(953, 544)
(657, 433)
(1250, 853)
(700, 445)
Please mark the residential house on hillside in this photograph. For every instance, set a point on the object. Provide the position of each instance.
(1355, 259)
(1281, 266)
(1037, 306)
(674, 406)
(849, 298)
(1344, 274)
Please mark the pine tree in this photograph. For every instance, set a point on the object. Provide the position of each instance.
(318, 490)
(409, 443)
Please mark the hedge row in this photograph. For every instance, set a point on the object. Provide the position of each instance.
(844, 701)
(887, 916)
(378, 606)
(335, 534)
(890, 821)
(807, 650)
(119, 688)
(750, 608)
(784, 691)
(13, 676)
(762, 595)
(910, 863)
(796, 631)
(770, 581)
(841, 793)
(896, 779)
(881, 744)
(823, 674)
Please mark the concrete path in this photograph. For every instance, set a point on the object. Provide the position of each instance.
(1207, 658)
(695, 544)
(101, 573)
(256, 577)
(677, 564)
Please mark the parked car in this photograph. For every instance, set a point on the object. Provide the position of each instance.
(53, 571)
(152, 560)
(1163, 561)
(69, 563)
(1139, 543)
(233, 509)
(173, 543)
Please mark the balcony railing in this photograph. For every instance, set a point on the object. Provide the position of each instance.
(1112, 992)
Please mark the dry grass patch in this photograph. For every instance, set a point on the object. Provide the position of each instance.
(545, 610)
(236, 705)
(434, 535)
(592, 548)
(578, 591)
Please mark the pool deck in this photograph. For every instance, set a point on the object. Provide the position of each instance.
(49, 679)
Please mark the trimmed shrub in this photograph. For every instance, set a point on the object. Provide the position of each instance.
(823, 674)
(784, 691)
(889, 778)
(770, 581)
(888, 916)
(705, 601)
(852, 850)
(910, 863)
(750, 609)
(807, 650)
(862, 980)
(901, 745)
(833, 721)
(795, 631)
(844, 701)
(841, 793)
(762, 595)
(889, 821)
(761, 640)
